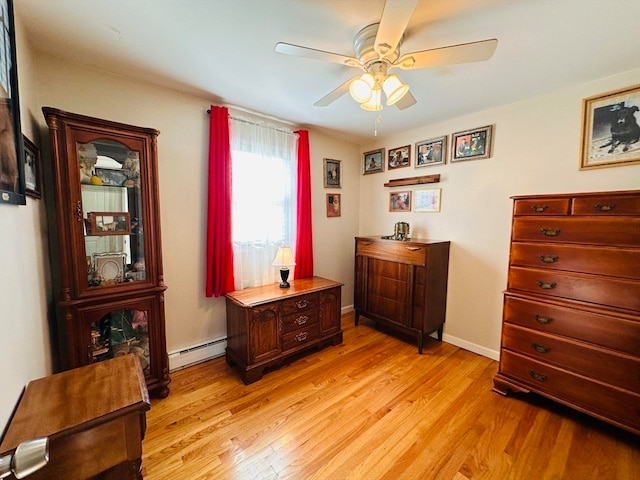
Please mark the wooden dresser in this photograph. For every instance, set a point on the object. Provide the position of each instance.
(571, 319)
(266, 325)
(94, 417)
(402, 284)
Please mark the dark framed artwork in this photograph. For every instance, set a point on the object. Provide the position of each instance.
(431, 152)
(471, 144)
(400, 201)
(333, 205)
(12, 188)
(32, 169)
(610, 130)
(373, 161)
(332, 173)
(108, 223)
(400, 157)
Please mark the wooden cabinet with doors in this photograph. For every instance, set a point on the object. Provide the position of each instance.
(402, 284)
(106, 228)
(571, 318)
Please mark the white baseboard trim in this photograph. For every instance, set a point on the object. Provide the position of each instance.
(197, 354)
(472, 347)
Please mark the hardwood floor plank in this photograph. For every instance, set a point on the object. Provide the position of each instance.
(372, 408)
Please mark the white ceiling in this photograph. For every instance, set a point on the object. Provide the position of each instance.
(223, 50)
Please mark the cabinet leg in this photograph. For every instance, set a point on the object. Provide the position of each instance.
(420, 339)
(440, 330)
(357, 318)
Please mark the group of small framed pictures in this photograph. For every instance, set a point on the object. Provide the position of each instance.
(423, 200)
(472, 144)
(333, 179)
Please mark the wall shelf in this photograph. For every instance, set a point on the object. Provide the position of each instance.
(398, 182)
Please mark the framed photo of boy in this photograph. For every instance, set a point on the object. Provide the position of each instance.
(373, 161)
(471, 144)
(610, 130)
(333, 205)
(332, 173)
(400, 201)
(400, 157)
(431, 152)
(32, 168)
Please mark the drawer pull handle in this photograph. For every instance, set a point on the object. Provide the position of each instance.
(366, 243)
(302, 303)
(413, 249)
(540, 348)
(604, 208)
(538, 376)
(543, 320)
(302, 336)
(550, 232)
(546, 285)
(539, 208)
(548, 258)
(301, 320)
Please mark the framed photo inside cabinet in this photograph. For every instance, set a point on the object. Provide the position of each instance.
(610, 130)
(109, 267)
(400, 201)
(12, 185)
(471, 144)
(32, 169)
(399, 157)
(373, 161)
(431, 152)
(333, 205)
(108, 223)
(427, 200)
(332, 173)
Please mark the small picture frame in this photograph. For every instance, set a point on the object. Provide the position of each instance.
(334, 205)
(109, 268)
(108, 223)
(431, 152)
(472, 144)
(332, 173)
(373, 161)
(32, 169)
(427, 200)
(400, 201)
(399, 157)
(610, 129)
(112, 177)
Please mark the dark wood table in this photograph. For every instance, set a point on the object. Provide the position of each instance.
(94, 417)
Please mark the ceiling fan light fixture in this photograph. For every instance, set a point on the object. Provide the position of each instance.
(374, 104)
(394, 89)
(361, 88)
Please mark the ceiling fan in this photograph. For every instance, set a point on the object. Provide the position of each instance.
(377, 50)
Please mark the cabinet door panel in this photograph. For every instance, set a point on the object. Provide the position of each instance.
(264, 338)
(330, 304)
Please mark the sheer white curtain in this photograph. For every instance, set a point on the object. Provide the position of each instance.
(264, 180)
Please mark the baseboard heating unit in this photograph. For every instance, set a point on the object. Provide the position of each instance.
(196, 354)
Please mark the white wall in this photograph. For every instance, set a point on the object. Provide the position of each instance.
(536, 150)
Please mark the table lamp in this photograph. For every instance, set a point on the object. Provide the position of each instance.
(284, 260)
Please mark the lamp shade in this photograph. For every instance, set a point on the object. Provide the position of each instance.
(374, 103)
(284, 258)
(394, 89)
(361, 88)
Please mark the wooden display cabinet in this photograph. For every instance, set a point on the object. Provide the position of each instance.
(108, 267)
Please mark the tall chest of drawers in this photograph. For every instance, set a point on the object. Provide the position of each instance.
(571, 317)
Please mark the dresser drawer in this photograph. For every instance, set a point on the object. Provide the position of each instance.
(614, 261)
(299, 303)
(618, 231)
(598, 363)
(599, 329)
(573, 389)
(606, 205)
(607, 291)
(542, 206)
(301, 337)
(403, 252)
(299, 320)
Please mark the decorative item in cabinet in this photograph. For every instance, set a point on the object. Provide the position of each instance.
(571, 317)
(108, 270)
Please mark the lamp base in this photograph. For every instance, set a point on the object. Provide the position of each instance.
(284, 275)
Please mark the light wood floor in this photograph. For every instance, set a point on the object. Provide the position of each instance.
(372, 408)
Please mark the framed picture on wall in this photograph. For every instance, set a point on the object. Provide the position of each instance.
(610, 130)
(400, 201)
(373, 161)
(32, 169)
(431, 152)
(334, 205)
(471, 144)
(399, 157)
(12, 187)
(332, 173)
(427, 200)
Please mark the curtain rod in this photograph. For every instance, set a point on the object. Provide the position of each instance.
(262, 124)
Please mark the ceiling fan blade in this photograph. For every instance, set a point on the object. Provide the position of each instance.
(298, 51)
(407, 101)
(334, 94)
(395, 18)
(454, 54)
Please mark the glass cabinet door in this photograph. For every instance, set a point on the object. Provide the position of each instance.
(112, 213)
